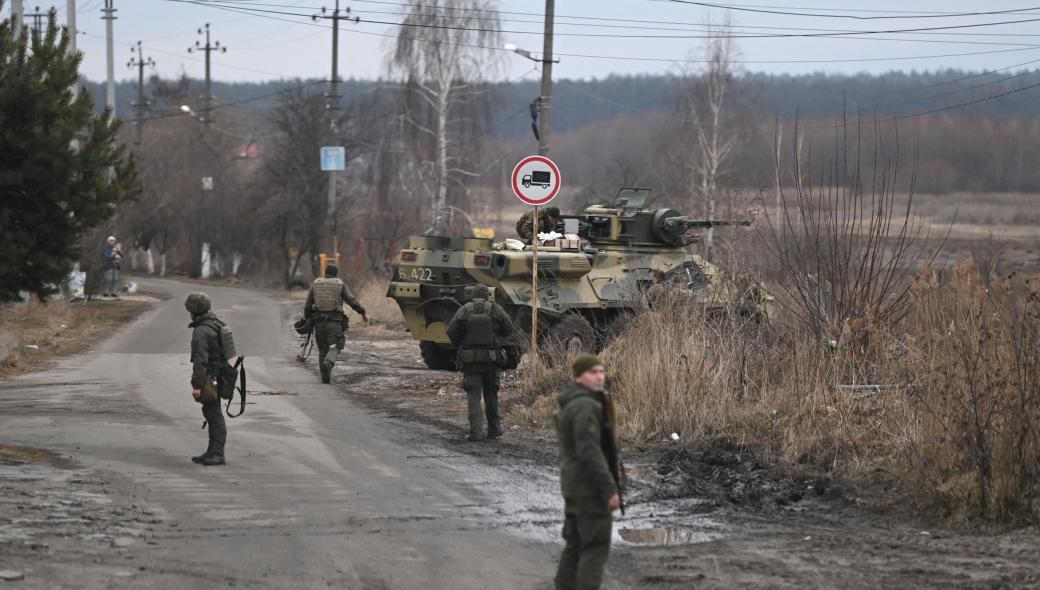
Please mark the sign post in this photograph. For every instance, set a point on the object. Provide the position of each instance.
(333, 160)
(535, 181)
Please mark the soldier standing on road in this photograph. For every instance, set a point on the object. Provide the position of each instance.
(478, 330)
(547, 219)
(590, 490)
(207, 358)
(325, 308)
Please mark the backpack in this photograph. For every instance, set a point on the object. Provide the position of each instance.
(230, 374)
(480, 347)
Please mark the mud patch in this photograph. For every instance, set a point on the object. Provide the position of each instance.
(14, 455)
(662, 536)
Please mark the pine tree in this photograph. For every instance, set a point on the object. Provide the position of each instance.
(51, 189)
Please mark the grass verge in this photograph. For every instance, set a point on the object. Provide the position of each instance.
(33, 333)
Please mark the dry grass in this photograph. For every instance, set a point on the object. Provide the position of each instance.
(956, 423)
(34, 332)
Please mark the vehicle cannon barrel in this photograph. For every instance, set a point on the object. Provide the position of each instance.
(684, 222)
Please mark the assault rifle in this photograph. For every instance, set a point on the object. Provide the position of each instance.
(610, 449)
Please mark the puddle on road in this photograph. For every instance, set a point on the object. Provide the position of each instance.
(663, 536)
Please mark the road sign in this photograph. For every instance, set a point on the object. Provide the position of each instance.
(536, 180)
(333, 159)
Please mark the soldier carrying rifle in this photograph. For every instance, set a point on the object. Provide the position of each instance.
(591, 476)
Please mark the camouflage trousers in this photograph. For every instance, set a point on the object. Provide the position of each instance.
(330, 337)
(482, 384)
(216, 427)
(586, 532)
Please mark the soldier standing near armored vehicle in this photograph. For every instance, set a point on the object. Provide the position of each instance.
(478, 330)
(590, 476)
(207, 358)
(324, 308)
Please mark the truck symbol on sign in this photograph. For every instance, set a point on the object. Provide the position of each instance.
(542, 178)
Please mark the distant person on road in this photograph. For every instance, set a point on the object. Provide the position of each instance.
(324, 308)
(207, 359)
(547, 219)
(111, 259)
(478, 330)
(587, 479)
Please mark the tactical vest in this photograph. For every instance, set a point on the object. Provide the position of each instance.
(480, 329)
(328, 294)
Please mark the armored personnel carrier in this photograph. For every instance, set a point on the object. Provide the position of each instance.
(586, 286)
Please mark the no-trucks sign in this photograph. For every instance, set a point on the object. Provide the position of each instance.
(536, 180)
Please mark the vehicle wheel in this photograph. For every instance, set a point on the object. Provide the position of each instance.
(571, 336)
(438, 357)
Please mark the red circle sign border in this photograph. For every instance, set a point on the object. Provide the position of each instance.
(546, 161)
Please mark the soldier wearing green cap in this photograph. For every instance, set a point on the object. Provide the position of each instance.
(325, 308)
(207, 357)
(589, 481)
(547, 219)
(478, 330)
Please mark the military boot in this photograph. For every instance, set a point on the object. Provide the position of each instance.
(211, 460)
(326, 374)
(200, 458)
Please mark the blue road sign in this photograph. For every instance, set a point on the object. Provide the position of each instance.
(333, 159)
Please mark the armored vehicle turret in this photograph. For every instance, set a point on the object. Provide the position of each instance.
(589, 281)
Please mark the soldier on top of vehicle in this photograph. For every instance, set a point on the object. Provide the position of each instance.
(547, 219)
(324, 308)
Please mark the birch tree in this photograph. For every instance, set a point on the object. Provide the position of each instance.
(705, 107)
(444, 51)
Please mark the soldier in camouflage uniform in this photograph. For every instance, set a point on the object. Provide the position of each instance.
(590, 491)
(547, 219)
(478, 330)
(325, 308)
(207, 357)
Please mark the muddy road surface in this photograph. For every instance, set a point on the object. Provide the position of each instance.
(367, 484)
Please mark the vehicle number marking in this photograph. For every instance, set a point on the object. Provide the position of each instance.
(421, 274)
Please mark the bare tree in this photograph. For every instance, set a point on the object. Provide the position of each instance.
(293, 201)
(847, 248)
(444, 51)
(710, 134)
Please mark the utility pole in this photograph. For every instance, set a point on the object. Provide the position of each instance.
(17, 10)
(139, 62)
(332, 107)
(37, 19)
(109, 12)
(545, 97)
(544, 114)
(70, 23)
(207, 99)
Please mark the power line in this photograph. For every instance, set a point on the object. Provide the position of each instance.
(222, 5)
(776, 11)
(266, 14)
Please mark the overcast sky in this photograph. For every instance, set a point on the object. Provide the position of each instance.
(262, 49)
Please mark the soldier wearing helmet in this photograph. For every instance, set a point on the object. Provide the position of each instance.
(478, 330)
(325, 307)
(547, 219)
(207, 357)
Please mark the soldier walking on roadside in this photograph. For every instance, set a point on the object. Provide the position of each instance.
(479, 329)
(324, 308)
(589, 476)
(207, 358)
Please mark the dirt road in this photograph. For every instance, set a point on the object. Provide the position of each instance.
(367, 484)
